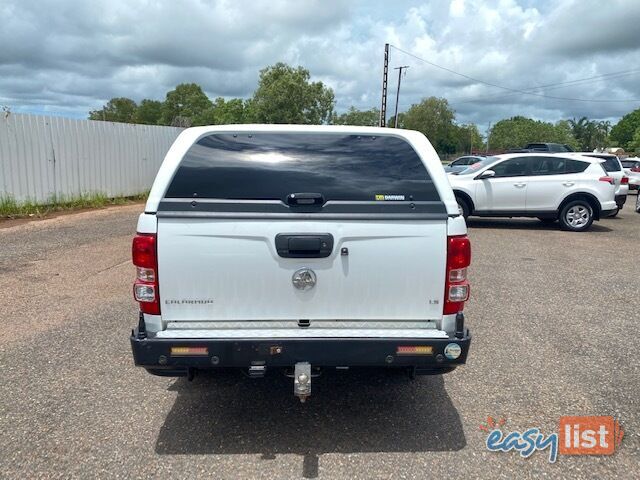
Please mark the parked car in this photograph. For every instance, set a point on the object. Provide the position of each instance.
(548, 147)
(542, 147)
(296, 248)
(631, 167)
(461, 163)
(614, 169)
(574, 189)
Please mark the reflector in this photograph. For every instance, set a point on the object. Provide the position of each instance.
(414, 350)
(192, 351)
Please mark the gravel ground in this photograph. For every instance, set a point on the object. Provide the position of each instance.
(555, 323)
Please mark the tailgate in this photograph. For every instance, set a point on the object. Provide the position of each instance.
(214, 270)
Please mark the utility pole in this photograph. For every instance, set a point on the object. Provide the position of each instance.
(395, 117)
(488, 136)
(385, 73)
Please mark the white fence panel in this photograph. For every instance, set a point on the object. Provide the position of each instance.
(42, 158)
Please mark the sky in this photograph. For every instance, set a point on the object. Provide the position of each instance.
(66, 57)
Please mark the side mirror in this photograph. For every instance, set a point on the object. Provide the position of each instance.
(486, 174)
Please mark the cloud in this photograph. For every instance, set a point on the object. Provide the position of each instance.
(70, 56)
(456, 9)
(585, 29)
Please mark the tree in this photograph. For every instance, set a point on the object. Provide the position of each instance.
(589, 134)
(604, 129)
(391, 123)
(353, 116)
(184, 105)
(579, 129)
(516, 132)
(435, 118)
(119, 109)
(148, 112)
(285, 95)
(468, 138)
(634, 145)
(561, 133)
(623, 132)
(224, 112)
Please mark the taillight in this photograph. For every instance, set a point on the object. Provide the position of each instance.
(636, 169)
(456, 290)
(608, 180)
(145, 258)
(624, 181)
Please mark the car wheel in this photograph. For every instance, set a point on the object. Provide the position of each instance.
(547, 220)
(576, 216)
(463, 207)
(638, 202)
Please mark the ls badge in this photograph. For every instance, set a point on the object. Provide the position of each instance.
(304, 279)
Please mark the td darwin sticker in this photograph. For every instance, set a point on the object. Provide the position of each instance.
(389, 198)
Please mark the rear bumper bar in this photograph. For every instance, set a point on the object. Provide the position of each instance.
(621, 200)
(166, 356)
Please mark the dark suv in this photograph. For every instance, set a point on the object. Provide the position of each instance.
(542, 147)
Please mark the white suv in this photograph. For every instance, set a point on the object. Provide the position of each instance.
(268, 247)
(612, 165)
(573, 189)
(631, 168)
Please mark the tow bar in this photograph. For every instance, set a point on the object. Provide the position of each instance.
(302, 380)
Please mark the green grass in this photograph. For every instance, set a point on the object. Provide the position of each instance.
(10, 208)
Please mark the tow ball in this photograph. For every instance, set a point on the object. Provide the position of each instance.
(302, 380)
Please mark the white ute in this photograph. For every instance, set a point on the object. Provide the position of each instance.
(300, 248)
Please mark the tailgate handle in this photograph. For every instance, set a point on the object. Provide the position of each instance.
(294, 199)
(304, 245)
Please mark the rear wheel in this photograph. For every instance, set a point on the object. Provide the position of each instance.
(576, 216)
(463, 207)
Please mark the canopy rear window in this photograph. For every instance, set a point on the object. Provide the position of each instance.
(272, 166)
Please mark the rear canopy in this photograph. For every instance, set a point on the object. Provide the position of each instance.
(258, 172)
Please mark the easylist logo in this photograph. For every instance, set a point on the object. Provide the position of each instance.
(596, 435)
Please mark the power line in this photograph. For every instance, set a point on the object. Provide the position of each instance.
(555, 86)
(514, 90)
